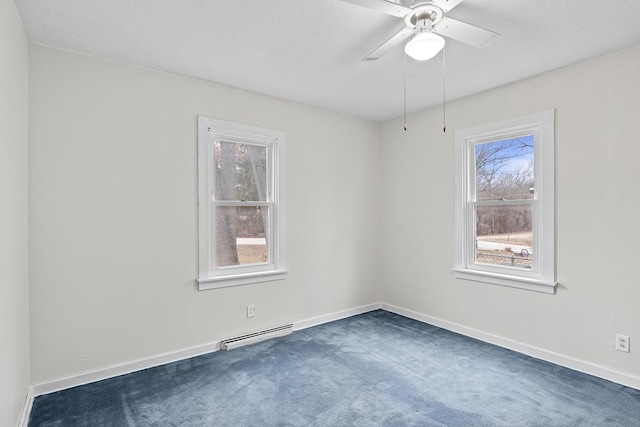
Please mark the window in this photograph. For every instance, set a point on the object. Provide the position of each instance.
(241, 204)
(505, 215)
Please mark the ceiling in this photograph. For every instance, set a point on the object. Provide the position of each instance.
(310, 51)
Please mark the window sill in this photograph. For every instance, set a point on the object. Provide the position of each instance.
(205, 283)
(506, 280)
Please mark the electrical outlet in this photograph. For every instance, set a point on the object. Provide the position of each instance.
(622, 343)
(251, 310)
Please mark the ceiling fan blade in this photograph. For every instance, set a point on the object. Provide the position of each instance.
(384, 6)
(466, 33)
(394, 41)
(446, 5)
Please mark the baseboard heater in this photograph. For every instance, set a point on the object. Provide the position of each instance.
(280, 331)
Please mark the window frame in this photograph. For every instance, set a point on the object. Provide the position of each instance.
(209, 275)
(541, 277)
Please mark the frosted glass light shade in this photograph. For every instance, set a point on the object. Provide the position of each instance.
(424, 46)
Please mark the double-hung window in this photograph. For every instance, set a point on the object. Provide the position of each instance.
(505, 230)
(241, 204)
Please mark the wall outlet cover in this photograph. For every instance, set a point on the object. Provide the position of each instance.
(622, 343)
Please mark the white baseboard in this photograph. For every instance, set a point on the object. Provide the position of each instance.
(536, 352)
(125, 368)
(315, 321)
(138, 365)
(26, 409)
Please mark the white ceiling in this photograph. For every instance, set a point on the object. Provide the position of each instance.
(310, 51)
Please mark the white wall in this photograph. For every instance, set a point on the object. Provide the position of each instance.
(14, 284)
(597, 211)
(113, 214)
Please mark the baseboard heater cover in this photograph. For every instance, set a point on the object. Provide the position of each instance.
(280, 331)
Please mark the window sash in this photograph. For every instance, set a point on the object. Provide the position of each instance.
(268, 173)
(521, 133)
(470, 247)
(269, 236)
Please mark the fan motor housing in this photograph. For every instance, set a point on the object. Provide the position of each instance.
(423, 12)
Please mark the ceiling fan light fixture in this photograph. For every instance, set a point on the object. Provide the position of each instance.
(424, 45)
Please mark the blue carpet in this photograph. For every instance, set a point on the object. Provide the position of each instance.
(375, 369)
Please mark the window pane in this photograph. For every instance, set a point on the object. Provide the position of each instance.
(504, 169)
(241, 237)
(504, 236)
(240, 171)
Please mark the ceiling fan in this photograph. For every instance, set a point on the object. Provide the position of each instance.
(425, 21)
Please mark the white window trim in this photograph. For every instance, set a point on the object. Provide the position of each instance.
(542, 276)
(210, 277)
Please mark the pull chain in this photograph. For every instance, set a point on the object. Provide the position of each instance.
(444, 92)
(405, 92)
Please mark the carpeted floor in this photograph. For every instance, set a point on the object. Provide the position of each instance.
(376, 369)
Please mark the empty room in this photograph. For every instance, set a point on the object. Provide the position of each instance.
(319, 213)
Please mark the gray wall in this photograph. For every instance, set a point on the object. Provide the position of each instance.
(14, 281)
(597, 209)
